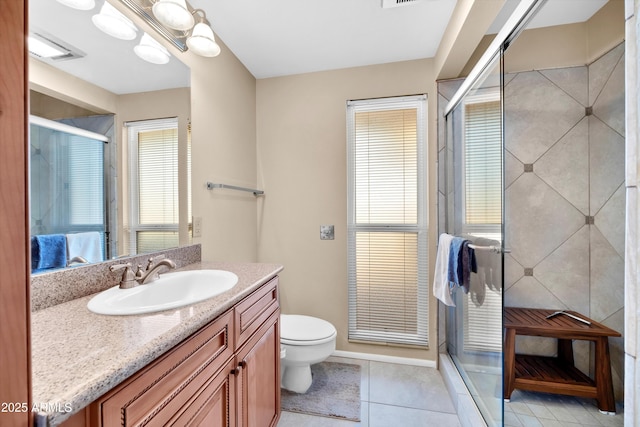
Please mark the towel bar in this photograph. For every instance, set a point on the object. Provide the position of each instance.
(211, 186)
(496, 249)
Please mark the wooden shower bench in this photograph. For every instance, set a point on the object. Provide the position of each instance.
(557, 374)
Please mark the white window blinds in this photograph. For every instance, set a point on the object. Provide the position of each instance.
(482, 164)
(387, 235)
(483, 209)
(154, 185)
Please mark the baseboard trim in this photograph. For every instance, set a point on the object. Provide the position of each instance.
(386, 359)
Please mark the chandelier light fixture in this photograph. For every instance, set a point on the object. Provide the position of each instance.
(177, 21)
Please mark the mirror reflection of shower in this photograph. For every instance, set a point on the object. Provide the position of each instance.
(69, 191)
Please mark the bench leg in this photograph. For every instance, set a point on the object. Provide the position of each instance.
(565, 351)
(509, 362)
(604, 384)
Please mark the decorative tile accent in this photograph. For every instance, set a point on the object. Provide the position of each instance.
(588, 111)
(528, 271)
(589, 220)
(528, 167)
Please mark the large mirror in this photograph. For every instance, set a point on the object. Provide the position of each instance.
(108, 179)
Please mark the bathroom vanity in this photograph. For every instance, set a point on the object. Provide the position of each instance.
(216, 363)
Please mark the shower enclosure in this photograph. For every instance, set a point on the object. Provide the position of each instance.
(472, 190)
(474, 194)
(531, 169)
(68, 189)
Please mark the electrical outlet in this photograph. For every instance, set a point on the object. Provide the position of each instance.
(197, 226)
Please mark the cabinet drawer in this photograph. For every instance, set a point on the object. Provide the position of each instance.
(158, 392)
(254, 310)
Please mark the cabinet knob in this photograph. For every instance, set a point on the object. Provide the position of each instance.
(238, 369)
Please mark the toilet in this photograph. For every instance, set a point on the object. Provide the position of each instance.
(305, 340)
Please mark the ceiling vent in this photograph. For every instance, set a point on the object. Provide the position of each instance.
(386, 4)
(50, 49)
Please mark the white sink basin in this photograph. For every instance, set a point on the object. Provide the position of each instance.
(171, 290)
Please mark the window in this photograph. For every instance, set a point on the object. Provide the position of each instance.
(153, 185)
(483, 165)
(387, 230)
(482, 182)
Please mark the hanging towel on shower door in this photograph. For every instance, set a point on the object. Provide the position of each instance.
(86, 245)
(441, 289)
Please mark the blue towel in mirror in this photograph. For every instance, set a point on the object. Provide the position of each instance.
(48, 251)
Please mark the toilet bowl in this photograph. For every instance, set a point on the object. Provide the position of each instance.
(306, 340)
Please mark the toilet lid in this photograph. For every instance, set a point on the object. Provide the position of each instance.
(295, 327)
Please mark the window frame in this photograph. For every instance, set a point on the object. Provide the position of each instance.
(420, 228)
(132, 130)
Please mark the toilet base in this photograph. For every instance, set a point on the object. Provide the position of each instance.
(296, 378)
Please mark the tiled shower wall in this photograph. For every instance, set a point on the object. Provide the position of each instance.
(565, 198)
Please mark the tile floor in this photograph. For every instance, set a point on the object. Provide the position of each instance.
(527, 409)
(391, 395)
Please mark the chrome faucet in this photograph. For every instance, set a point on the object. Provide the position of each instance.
(142, 276)
(151, 272)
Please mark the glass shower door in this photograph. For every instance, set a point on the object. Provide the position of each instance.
(475, 211)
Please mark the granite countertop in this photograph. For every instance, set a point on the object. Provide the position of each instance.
(77, 355)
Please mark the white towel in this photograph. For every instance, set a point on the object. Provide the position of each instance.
(86, 245)
(441, 288)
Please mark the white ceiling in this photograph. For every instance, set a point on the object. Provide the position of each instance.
(279, 37)
(283, 37)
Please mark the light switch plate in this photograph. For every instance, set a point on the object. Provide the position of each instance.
(197, 226)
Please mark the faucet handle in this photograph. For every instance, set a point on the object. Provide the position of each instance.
(140, 271)
(154, 259)
(128, 279)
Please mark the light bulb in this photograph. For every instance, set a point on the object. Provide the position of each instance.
(113, 22)
(151, 51)
(174, 14)
(202, 41)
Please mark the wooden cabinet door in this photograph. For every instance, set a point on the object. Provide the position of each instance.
(214, 405)
(164, 389)
(258, 380)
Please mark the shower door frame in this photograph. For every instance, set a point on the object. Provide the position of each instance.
(516, 23)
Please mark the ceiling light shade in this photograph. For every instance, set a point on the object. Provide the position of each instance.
(113, 22)
(202, 42)
(151, 51)
(79, 4)
(174, 14)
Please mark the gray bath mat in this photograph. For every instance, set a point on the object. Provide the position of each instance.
(334, 392)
